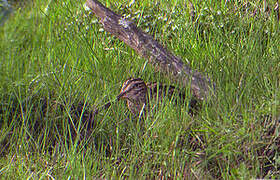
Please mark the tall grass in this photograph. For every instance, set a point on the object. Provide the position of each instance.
(58, 64)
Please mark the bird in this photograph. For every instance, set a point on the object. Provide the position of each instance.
(135, 92)
(142, 98)
(140, 95)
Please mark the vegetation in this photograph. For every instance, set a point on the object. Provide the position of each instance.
(58, 64)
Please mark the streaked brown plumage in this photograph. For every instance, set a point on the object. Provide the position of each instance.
(134, 91)
(139, 95)
(142, 98)
(159, 91)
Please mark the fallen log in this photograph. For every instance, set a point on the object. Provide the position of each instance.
(144, 44)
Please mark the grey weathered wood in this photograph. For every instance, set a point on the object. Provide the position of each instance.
(147, 47)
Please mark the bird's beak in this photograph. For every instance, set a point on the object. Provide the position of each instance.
(120, 95)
